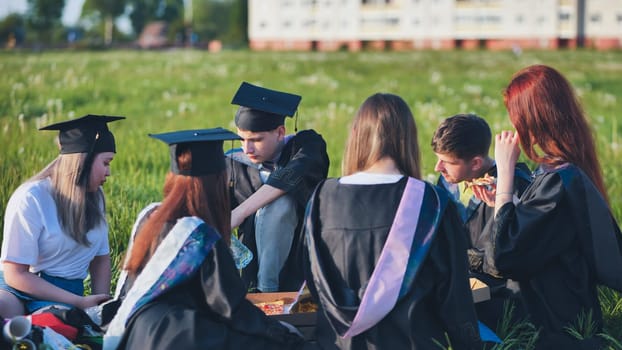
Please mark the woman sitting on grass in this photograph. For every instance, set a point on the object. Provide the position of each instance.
(55, 229)
(180, 287)
(560, 240)
(387, 251)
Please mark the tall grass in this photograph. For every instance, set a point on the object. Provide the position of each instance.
(164, 91)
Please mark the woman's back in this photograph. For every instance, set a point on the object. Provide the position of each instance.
(557, 249)
(350, 224)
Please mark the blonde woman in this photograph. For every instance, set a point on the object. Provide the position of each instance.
(55, 229)
(387, 251)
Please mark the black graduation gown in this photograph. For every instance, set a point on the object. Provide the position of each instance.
(554, 247)
(479, 226)
(208, 312)
(350, 224)
(302, 165)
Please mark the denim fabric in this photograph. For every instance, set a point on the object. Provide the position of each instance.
(275, 225)
(31, 303)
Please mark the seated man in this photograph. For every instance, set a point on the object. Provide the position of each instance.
(461, 145)
(273, 176)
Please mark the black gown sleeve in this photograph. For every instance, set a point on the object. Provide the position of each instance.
(454, 296)
(305, 164)
(528, 235)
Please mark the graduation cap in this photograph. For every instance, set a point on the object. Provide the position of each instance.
(87, 134)
(263, 109)
(204, 144)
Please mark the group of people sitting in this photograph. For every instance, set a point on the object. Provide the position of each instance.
(386, 256)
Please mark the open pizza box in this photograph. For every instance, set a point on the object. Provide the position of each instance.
(291, 307)
(279, 305)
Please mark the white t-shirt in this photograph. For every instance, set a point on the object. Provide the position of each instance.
(33, 235)
(365, 178)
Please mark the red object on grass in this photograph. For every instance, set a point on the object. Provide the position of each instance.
(47, 319)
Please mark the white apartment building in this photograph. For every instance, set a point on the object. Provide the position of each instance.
(435, 24)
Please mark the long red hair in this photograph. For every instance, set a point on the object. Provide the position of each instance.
(547, 114)
(206, 197)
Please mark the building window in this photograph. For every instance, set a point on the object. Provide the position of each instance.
(595, 18)
(619, 18)
(376, 2)
(520, 19)
(564, 16)
(309, 23)
(380, 21)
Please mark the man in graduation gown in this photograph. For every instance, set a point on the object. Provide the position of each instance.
(273, 175)
(461, 144)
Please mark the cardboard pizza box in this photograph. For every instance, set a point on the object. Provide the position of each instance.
(480, 290)
(304, 321)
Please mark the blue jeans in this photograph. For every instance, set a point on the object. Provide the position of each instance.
(31, 304)
(275, 225)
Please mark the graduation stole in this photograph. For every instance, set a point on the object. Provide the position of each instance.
(178, 257)
(404, 251)
(603, 242)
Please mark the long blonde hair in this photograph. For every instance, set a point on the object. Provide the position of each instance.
(383, 127)
(78, 210)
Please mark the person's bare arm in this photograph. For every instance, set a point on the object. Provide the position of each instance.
(264, 195)
(506, 156)
(100, 274)
(19, 277)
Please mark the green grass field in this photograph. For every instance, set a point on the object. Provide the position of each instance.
(170, 90)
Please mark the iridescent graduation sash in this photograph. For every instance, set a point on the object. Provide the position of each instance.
(384, 287)
(404, 251)
(177, 258)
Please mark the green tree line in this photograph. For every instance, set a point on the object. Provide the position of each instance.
(184, 23)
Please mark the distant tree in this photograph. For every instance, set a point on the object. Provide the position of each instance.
(12, 31)
(44, 17)
(144, 11)
(210, 19)
(224, 20)
(109, 10)
(238, 23)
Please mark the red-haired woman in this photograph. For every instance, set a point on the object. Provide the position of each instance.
(559, 240)
(180, 286)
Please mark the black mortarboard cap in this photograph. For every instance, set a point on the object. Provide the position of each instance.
(263, 109)
(87, 134)
(204, 144)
